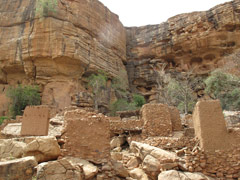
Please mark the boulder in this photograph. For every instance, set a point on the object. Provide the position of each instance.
(89, 169)
(133, 163)
(43, 148)
(12, 129)
(151, 164)
(20, 169)
(11, 148)
(58, 170)
(177, 175)
(55, 128)
(141, 150)
(120, 169)
(138, 174)
(117, 141)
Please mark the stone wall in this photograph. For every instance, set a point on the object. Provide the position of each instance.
(217, 164)
(119, 126)
(156, 120)
(218, 153)
(87, 135)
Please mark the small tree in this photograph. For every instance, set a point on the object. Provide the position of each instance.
(21, 97)
(98, 83)
(225, 87)
(159, 70)
(120, 85)
(181, 93)
(43, 7)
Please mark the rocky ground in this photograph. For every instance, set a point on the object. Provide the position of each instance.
(132, 156)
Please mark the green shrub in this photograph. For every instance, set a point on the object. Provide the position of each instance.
(121, 105)
(2, 118)
(225, 87)
(124, 105)
(139, 100)
(21, 97)
(43, 7)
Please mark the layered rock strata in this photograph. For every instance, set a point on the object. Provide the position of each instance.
(195, 41)
(58, 49)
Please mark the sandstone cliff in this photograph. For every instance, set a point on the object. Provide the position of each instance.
(59, 50)
(197, 41)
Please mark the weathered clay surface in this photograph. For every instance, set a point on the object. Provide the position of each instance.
(55, 128)
(57, 51)
(156, 120)
(208, 114)
(35, 121)
(197, 40)
(87, 135)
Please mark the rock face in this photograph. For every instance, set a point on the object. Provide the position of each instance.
(61, 169)
(176, 175)
(76, 38)
(11, 148)
(22, 169)
(12, 129)
(3, 99)
(58, 50)
(43, 148)
(197, 40)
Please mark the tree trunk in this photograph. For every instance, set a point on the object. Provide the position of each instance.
(186, 103)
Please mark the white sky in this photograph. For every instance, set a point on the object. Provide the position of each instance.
(144, 12)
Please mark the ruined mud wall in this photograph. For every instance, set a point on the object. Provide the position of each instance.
(59, 50)
(197, 40)
(87, 135)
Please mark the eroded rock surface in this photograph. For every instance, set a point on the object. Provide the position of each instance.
(177, 175)
(59, 170)
(21, 169)
(10, 148)
(43, 148)
(192, 41)
(59, 50)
